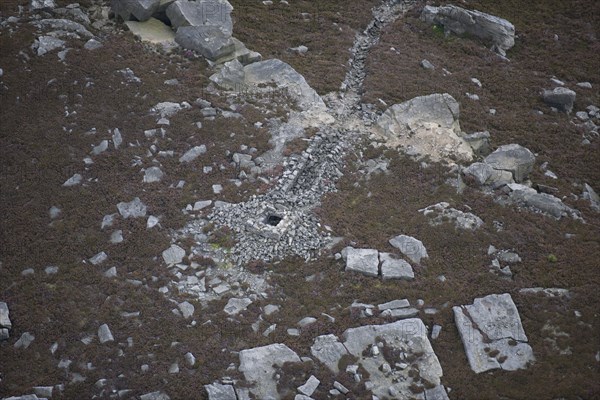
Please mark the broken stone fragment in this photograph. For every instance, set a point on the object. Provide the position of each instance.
(24, 341)
(187, 309)
(395, 268)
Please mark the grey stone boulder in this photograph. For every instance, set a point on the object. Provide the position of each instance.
(364, 261)
(560, 97)
(395, 268)
(513, 158)
(140, 10)
(231, 76)
(215, 13)
(492, 334)
(258, 366)
(457, 20)
(410, 247)
(426, 126)
(217, 391)
(209, 41)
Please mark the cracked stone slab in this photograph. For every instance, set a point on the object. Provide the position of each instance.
(492, 334)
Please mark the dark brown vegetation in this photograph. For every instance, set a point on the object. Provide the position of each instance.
(37, 156)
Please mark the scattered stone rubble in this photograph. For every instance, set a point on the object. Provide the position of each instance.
(441, 212)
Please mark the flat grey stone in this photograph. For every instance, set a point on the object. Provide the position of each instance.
(395, 268)
(410, 247)
(401, 313)
(173, 255)
(153, 31)
(236, 305)
(116, 236)
(104, 334)
(391, 305)
(199, 205)
(365, 261)
(132, 209)
(257, 365)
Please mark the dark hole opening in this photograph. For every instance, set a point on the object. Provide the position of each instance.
(273, 220)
